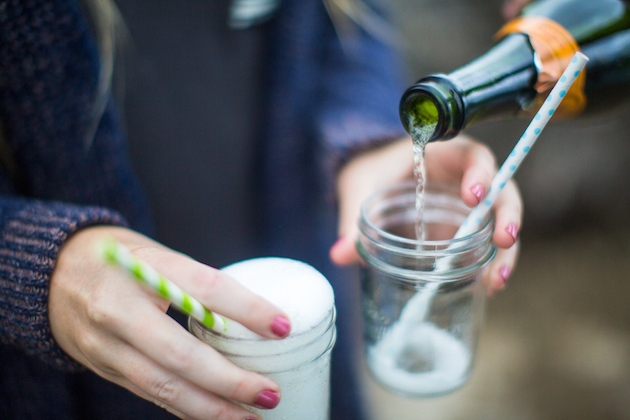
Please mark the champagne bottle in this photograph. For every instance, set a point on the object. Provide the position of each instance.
(514, 76)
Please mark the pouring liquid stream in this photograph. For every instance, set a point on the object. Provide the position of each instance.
(414, 354)
(420, 139)
(417, 307)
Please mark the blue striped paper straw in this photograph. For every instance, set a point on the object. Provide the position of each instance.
(115, 253)
(524, 145)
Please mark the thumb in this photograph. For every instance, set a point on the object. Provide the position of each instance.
(357, 180)
(344, 251)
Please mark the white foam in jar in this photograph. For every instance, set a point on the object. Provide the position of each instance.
(299, 363)
(390, 360)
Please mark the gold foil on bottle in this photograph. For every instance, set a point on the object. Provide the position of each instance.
(555, 47)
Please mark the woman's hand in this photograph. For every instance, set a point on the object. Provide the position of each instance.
(460, 160)
(512, 8)
(120, 330)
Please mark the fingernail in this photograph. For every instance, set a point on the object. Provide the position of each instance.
(478, 192)
(267, 399)
(512, 230)
(281, 326)
(504, 272)
(338, 242)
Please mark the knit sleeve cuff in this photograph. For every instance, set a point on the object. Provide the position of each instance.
(349, 134)
(353, 134)
(32, 234)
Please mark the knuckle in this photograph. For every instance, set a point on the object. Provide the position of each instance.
(179, 356)
(166, 392)
(89, 344)
(256, 308)
(485, 155)
(207, 281)
(484, 150)
(99, 311)
(239, 390)
(223, 412)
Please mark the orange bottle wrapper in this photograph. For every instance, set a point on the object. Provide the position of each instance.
(555, 47)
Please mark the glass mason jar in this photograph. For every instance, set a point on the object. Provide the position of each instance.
(423, 300)
(299, 363)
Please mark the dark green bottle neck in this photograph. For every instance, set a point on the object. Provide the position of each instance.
(499, 83)
(433, 103)
(586, 20)
(608, 72)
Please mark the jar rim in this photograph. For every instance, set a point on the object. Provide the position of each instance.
(324, 324)
(442, 194)
(432, 188)
(304, 348)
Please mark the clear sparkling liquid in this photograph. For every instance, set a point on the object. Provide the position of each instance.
(414, 356)
(421, 134)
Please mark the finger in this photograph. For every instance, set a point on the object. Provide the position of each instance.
(508, 216)
(344, 251)
(463, 161)
(511, 8)
(501, 268)
(361, 177)
(151, 381)
(163, 340)
(186, 357)
(479, 170)
(219, 292)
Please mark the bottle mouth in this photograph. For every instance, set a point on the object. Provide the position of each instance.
(432, 108)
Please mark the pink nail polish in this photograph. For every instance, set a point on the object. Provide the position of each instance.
(281, 326)
(512, 230)
(267, 399)
(504, 272)
(478, 192)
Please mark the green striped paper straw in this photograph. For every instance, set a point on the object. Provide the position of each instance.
(524, 144)
(116, 253)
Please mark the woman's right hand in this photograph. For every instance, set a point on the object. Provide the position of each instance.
(512, 8)
(121, 331)
(462, 161)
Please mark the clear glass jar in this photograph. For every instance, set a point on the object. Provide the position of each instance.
(299, 363)
(423, 300)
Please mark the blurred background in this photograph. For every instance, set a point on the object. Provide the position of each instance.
(556, 342)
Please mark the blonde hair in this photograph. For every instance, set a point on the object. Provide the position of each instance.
(108, 28)
(349, 15)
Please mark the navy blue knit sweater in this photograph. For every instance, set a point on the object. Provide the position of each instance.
(48, 75)
(54, 182)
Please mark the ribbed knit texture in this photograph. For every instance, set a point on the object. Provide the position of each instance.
(326, 104)
(323, 106)
(48, 76)
(31, 238)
